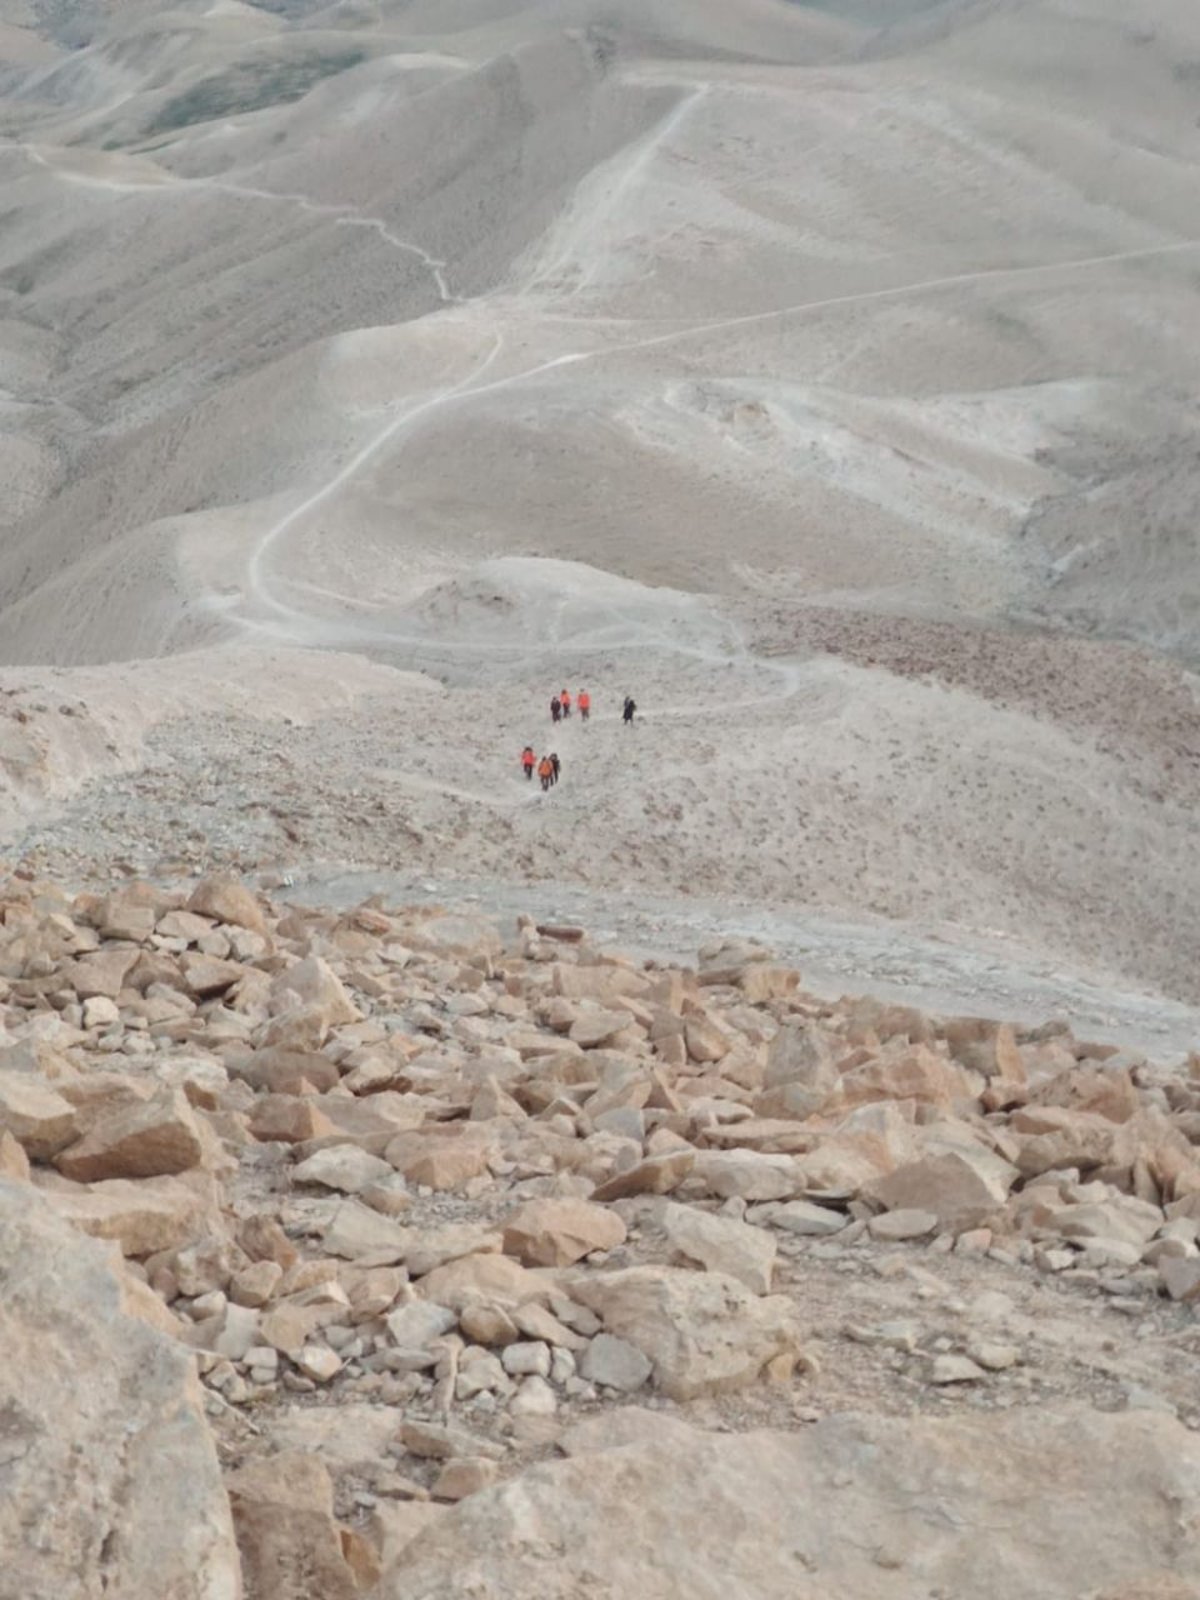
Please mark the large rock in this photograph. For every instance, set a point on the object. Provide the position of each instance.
(37, 1116)
(146, 1139)
(345, 1167)
(224, 899)
(961, 1188)
(557, 1233)
(722, 1244)
(660, 1174)
(291, 1546)
(705, 1333)
(143, 1216)
(801, 1059)
(109, 1483)
(1003, 1507)
(746, 1175)
(312, 983)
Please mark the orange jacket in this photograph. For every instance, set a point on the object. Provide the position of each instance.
(545, 770)
(527, 758)
(585, 700)
(565, 697)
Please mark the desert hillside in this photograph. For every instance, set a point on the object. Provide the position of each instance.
(821, 376)
(743, 1164)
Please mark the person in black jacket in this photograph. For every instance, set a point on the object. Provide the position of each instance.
(630, 708)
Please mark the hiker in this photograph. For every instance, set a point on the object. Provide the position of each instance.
(584, 702)
(565, 702)
(545, 773)
(556, 764)
(555, 709)
(528, 761)
(630, 708)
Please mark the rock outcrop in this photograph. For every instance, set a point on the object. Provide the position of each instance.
(109, 1484)
(1061, 1505)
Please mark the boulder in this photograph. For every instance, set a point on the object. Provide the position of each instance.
(485, 1277)
(557, 1233)
(143, 1217)
(290, 1544)
(721, 1244)
(359, 1234)
(704, 1333)
(286, 1119)
(344, 1167)
(102, 973)
(111, 1485)
(224, 899)
(746, 1174)
(800, 1059)
(146, 1139)
(869, 1507)
(313, 984)
(37, 1116)
(660, 1174)
(442, 1158)
(914, 1074)
(962, 1188)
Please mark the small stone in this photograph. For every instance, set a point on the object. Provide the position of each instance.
(318, 1362)
(100, 1012)
(535, 1398)
(462, 1477)
(255, 1284)
(955, 1369)
(525, 1358)
(615, 1364)
(1180, 1277)
(894, 1226)
(995, 1357)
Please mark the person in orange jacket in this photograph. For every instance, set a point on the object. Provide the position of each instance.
(564, 700)
(528, 761)
(545, 772)
(584, 702)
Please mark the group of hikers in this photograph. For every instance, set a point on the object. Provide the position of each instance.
(549, 767)
(560, 706)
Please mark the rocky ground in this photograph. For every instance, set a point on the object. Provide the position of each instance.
(478, 1240)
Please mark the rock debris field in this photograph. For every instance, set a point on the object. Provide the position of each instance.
(389, 1252)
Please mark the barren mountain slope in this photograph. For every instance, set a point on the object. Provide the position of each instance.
(855, 342)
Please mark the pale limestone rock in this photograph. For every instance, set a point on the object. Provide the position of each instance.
(359, 1234)
(963, 1189)
(721, 1244)
(704, 1332)
(37, 1116)
(145, 1216)
(463, 1477)
(557, 1233)
(290, 1544)
(344, 1167)
(658, 1174)
(895, 1226)
(147, 1139)
(764, 1515)
(224, 899)
(615, 1364)
(110, 1480)
(746, 1174)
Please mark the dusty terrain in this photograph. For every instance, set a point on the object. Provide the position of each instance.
(827, 385)
(824, 376)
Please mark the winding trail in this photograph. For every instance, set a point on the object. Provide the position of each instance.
(340, 216)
